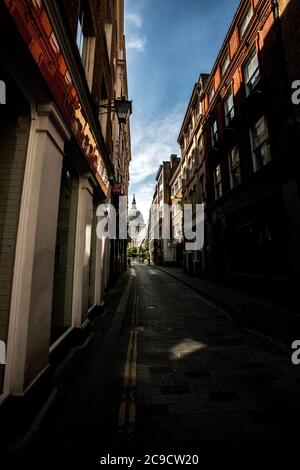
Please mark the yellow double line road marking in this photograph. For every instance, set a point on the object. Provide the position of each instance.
(127, 411)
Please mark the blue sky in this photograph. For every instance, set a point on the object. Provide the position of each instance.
(169, 43)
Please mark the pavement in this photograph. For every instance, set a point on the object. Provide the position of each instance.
(204, 381)
(277, 321)
(166, 370)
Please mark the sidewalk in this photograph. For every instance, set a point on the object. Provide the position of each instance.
(280, 323)
(82, 411)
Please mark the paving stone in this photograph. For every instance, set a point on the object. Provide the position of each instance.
(197, 373)
(228, 389)
(224, 396)
(175, 389)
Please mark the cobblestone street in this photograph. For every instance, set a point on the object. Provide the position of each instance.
(165, 370)
(202, 380)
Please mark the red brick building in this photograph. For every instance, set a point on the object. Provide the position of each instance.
(251, 145)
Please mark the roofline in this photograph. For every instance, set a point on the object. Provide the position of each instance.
(241, 6)
(239, 9)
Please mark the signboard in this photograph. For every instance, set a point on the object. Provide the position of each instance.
(117, 189)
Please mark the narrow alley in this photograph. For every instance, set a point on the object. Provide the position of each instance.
(165, 369)
(149, 230)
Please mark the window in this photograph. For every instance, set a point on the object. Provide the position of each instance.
(178, 230)
(234, 167)
(218, 182)
(201, 148)
(108, 36)
(211, 94)
(2, 92)
(176, 209)
(251, 72)
(86, 42)
(214, 133)
(80, 38)
(202, 189)
(225, 65)
(199, 108)
(260, 144)
(246, 20)
(176, 188)
(229, 108)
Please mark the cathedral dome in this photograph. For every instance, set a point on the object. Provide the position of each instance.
(135, 221)
(134, 213)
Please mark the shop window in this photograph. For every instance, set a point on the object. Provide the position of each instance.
(64, 254)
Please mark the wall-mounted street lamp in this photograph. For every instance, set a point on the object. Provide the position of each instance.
(121, 106)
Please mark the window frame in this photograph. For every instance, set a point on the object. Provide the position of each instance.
(264, 142)
(214, 133)
(230, 112)
(246, 20)
(200, 144)
(233, 166)
(253, 79)
(211, 93)
(218, 186)
(225, 62)
(86, 42)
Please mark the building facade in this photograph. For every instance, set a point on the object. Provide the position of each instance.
(193, 168)
(160, 228)
(63, 153)
(239, 155)
(252, 180)
(177, 216)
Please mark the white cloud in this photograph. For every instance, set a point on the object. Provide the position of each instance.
(136, 42)
(152, 143)
(135, 19)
